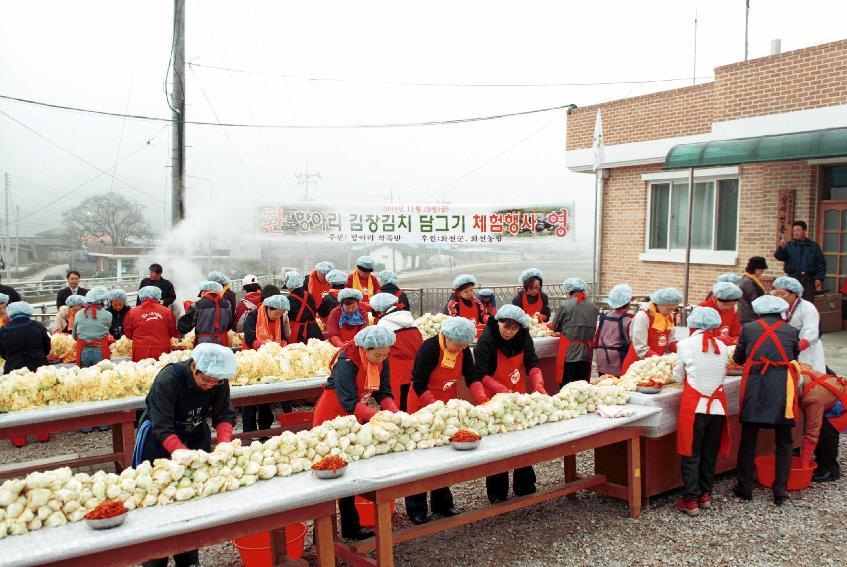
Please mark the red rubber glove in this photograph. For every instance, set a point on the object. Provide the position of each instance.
(283, 343)
(542, 317)
(804, 344)
(364, 413)
(728, 340)
(537, 381)
(336, 341)
(224, 430)
(493, 387)
(426, 398)
(651, 353)
(478, 393)
(257, 344)
(172, 443)
(388, 404)
(672, 346)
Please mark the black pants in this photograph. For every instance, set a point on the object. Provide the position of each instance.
(441, 499)
(180, 559)
(254, 418)
(747, 455)
(404, 396)
(826, 453)
(698, 470)
(523, 483)
(808, 284)
(349, 516)
(577, 370)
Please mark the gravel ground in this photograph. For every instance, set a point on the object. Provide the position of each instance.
(590, 529)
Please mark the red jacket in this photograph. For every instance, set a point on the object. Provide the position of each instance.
(254, 297)
(730, 328)
(333, 330)
(374, 283)
(150, 326)
(402, 356)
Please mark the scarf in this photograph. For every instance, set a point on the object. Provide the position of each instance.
(351, 319)
(580, 297)
(372, 372)
(357, 284)
(71, 316)
(93, 308)
(448, 359)
(660, 322)
(791, 311)
(710, 341)
(756, 280)
(267, 330)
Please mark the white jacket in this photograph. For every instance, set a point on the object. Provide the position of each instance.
(397, 320)
(705, 370)
(807, 319)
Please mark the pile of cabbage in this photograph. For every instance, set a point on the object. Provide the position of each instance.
(651, 369)
(430, 325)
(62, 347)
(187, 341)
(121, 347)
(538, 328)
(53, 498)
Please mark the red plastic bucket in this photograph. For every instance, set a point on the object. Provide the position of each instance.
(255, 549)
(799, 479)
(367, 514)
(295, 418)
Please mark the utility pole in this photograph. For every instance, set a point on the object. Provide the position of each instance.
(7, 190)
(746, 26)
(17, 238)
(305, 179)
(178, 118)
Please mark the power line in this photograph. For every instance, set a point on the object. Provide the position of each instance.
(437, 84)
(292, 126)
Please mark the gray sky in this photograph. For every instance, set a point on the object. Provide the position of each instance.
(113, 55)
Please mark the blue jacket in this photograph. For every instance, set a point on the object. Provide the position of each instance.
(802, 257)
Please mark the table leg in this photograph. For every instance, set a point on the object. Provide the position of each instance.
(633, 450)
(324, 547)
(384, 537)
(123, 441)
(570, 468)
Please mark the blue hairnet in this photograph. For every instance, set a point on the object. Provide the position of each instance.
(514, 313)
(350, 293)
(381, 302)
(464, 279)
(790, 284)
(486, 292)
(218, 277)
(388, 277)
(574, 284)
(215, 360)
(294, 280)
(458, 329)
(704, 318)
(75, 300)
(529, 273)
(150, 292)
(18, 309)
(375, 337)
(730, 278)
(211, 286)
(767, 304)
(324, 267)
(666, 296)
(4, 298)
(97, 294)
(620, 295)
(277, 302)
(336, 277)
(118, 294)
(726, 291)
(365, 262)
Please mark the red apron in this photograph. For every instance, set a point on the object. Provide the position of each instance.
(347, 332)
(328, 405)
(220, 337)
(103, 342)
(510, 372)
(840, 422)
(298, 328)
(530, 308)
(316, 288)
(562, 354)
(656, 341)
(770, 333)
(471, 312)
(687, 412)
(442, 384)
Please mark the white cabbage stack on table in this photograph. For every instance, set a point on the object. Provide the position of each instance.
(651, 369)
(61, 346)
(430, 325)
(121, 347)
(539, 329)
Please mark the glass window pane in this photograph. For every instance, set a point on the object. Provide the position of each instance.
(831, 263)
(727, 223)
(659, 202)
(830, 242)
(844, 242)
(844, 219)
(679, 215)
(831, 218)
(829, 285)
(702, 217)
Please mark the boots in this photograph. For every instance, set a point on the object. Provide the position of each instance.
(807, 449)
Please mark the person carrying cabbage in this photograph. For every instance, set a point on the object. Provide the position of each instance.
(505, 361)
(303, 311)
(91, 329)
(64, 320)
(210, 317)
(362, 278)
(227, 294)
(347, 319)
(612, 338)
(702, 426)
(531, 299)
(576, 323)
(118, 308)
(389, 283)
(489, 300)
(441, 362)
(651, 329)
(150, 325)
(723, 299)
(182, 397)
(359, 374)
(409, 340)
(337, 281)
(463, 302)
(316, 283)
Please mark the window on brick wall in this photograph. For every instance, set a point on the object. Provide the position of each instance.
(714, 218)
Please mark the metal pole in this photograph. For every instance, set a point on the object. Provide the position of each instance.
(17, 238)
(694, 71)
(598, 233)
(688, 245)
(178, 117)
(7, 191)
(746, 27)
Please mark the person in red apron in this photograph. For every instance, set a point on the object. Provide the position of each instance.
(402, 356)
(489, 300)
(441, 362)
(337, 281)
(268, 323)
(362, 278)
(390, 283)
(227, 294)
(91, 329)
(303, 314)
(723, 299)
(150, 325)
(316, 283)
(347, 319)
(463, 302)
(702, 426)
(531, 299)
(576, 322)
(505, 361)
(651, 330)
(210, 317)
(768, 349)
(612, 338)
(359, 375)
(823, 399)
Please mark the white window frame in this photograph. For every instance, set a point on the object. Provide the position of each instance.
(677, 255)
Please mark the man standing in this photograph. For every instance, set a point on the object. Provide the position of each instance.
(803, 260)
(156, 280)
(72, 289)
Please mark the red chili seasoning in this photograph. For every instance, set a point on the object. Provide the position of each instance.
(106, 509)
(465, 436)
(331, 463)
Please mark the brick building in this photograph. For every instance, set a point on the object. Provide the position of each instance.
(777, 129)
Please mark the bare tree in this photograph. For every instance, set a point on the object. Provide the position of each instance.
(109, 216)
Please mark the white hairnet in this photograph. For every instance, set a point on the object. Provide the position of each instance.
(118, 294)
(388, 277)
(211, 286)
(350, 293)
(574, 284)
(324, 267)
(789, 284)
(485, 292)
(365, 262)
(19, 309)
(215, 360)
(530, 273)
(382, 302)
(277, 302)
(218, 277)
(620, 295)
(75, 300)
(4, 298)
(726, 291)
(150, 292)
(464, 279)
(730, 278)
(768, 304)
(336, 277)
(514, 313)
(293, 280)
(97, 294)
(375, 337)
(666, 296)
(458, 329)
(704, 318)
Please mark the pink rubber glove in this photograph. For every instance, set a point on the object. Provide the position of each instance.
(389, 405)
(493, 387)
(224, 430)
(364, 413)
(537, 381)
(478, 393)
(804, 344)
(426, 398)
